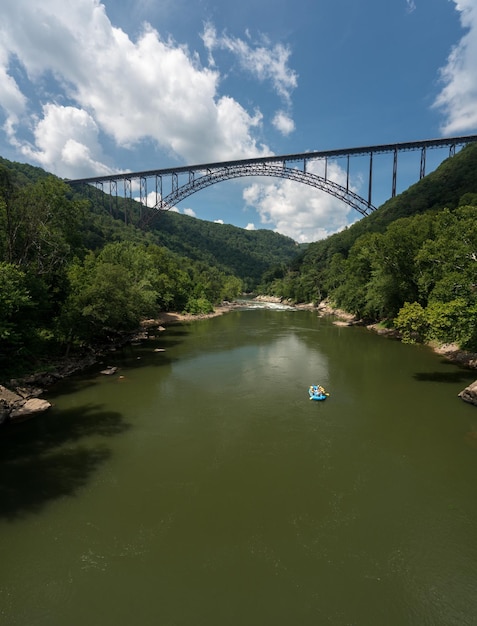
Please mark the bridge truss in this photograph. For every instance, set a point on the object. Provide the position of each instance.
(187, 180)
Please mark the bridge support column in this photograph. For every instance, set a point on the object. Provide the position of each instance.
(175, 182)
(395, 160)
(370, 183)
(142, 194)
(423, 163)
(128, 196)
(113, 193)
(158, 190)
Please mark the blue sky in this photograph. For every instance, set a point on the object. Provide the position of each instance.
(89, 87)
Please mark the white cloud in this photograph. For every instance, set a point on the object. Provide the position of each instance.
(218, 221)
(209, 37)
(250, 226)
(302, 212)
(189, 212)
(264, 61)
(147, 89)
(12, 100)
(151, 200)
(66, 141)
(411, 6)
(283, 123)
(458, 98)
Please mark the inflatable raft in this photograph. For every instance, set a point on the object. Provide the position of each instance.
(317, 392)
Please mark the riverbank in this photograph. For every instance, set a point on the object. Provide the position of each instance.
(166, 318)
(20, 398)
(450, 351)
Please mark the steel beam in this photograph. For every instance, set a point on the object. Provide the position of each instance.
(395, 163)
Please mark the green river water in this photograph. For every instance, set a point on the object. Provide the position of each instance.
(199, 486)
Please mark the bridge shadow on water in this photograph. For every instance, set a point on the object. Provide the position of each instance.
(50, 457)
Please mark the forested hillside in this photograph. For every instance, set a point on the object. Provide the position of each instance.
(244, 253)
(76, 269)
(413, 262)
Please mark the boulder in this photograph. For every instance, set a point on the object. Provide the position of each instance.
(9, 396)
(20, 406)
(469, 394)
(28, 408)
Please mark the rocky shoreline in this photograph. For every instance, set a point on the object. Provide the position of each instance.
(451, 352)
(21, 399)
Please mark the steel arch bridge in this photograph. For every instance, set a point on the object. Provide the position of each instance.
(291, 167)
(264, 169)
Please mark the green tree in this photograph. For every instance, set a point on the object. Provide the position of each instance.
(231, 288)
(448, 262)
(357, 270)
(412, 323)
(14, 298)
(44, 227)
(6, 193)
(441, 322)
(450, 322)
(109, 293)
(394, 278)
(198, 306)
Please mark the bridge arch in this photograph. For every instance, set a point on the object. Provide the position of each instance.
(204, 175)
(213, 176)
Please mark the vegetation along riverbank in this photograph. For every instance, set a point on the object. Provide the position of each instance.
(78, 275)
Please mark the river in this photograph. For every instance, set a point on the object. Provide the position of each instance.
(199, 486)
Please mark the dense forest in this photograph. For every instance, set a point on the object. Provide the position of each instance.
(76, 272)
(412, 264)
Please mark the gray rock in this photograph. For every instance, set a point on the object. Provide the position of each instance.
(469, 394)
(20, 406)
(28, 408)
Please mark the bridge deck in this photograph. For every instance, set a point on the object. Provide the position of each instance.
(452, 142)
